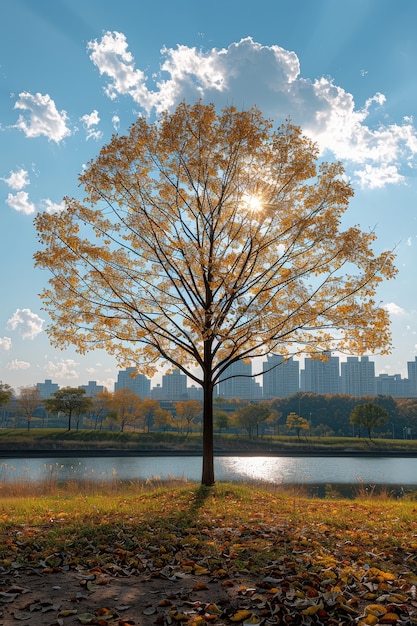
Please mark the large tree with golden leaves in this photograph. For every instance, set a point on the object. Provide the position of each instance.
(206, 238)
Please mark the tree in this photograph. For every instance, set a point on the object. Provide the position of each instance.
(369, 415)
(163, 418)
(297, 423)
(124, 405)
(187, 411)
(6, 393)
(147, 411)
(206, 238)
(28, 400)
(250, 416)
(221, 420)
(69, 401)
(99, 408)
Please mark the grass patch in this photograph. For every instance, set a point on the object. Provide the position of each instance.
(257, 523)
(285, 554)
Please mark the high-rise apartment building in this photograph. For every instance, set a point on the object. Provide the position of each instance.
(321, 375)
(174, 387)
(47, 388)
(393, 385)
(237, 382)
(92, 389)
(412, 376)
(139, 384)
(281, 377)
(358, 376)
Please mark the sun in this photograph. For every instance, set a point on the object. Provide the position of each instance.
(252, 202)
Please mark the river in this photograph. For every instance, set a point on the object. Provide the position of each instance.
(278, 470)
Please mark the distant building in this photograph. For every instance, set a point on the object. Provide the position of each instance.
(92, 389)
(358, 376)
(321, 375)
(281, 377)
(47, 388)
(237, 382)
(174, 387)
(393, 385)
(195, 392)
(412, 376)
(139, 384)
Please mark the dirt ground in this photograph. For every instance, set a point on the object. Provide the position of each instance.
(171, 597)
(70, 598)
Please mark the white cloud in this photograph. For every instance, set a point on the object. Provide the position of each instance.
(20, 202)
(29, 324)
(107, 383)
(17, 180)
(52, 207)
(112, 58)
(377, 177)
(115, 120)
(248, 73)
(5, 343)
(62, 370)
(43, 118)
(394, 309)
(18, 365)
(89, 122)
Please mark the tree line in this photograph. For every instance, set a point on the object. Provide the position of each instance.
(320, 415)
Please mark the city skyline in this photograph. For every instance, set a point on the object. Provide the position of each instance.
(94, 66)
(281, 378)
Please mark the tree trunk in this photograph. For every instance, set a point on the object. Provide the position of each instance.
(208, 444)
(207, 478)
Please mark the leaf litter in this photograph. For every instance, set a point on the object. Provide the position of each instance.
(224, 559)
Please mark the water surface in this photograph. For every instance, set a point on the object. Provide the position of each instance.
(301, 470)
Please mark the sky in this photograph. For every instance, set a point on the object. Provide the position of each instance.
(73, 72)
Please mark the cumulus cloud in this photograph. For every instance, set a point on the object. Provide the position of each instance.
(115, 120)
(41, 117)
(52, 207)
(394, 309)
(17, 180)
(20, 202)
(90, 122)
(247, 73)
(18, 365)
(62, 370)
(5, 343)
(374, 177)
(29, 324)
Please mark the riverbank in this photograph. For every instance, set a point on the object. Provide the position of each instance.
(22, 453)
(60, 442)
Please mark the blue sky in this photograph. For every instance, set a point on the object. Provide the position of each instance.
(72, 72)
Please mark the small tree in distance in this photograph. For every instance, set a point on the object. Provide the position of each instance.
(221, 420)
(124, 407)
(368, 415)
(28, 400)
(251, 416)
(188, 411)
(297, 423)
(6, 393)
(207, 238)
(69, 401)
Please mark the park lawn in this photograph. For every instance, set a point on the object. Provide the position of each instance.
(328, 560)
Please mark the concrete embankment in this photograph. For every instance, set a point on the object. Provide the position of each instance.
(18, 452)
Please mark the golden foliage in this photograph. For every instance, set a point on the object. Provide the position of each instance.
(167, 258)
